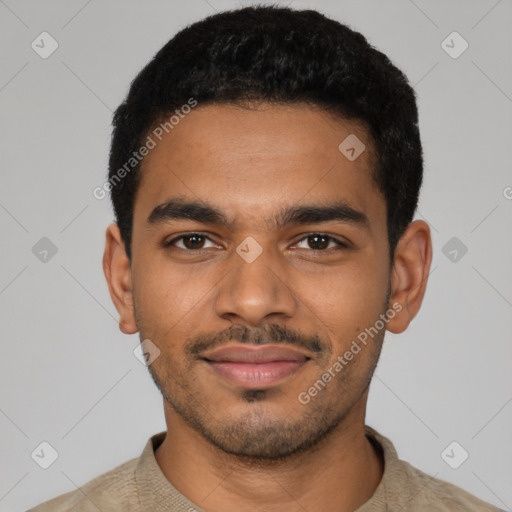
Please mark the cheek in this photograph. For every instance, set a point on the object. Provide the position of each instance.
(168, 300)
(346, 299)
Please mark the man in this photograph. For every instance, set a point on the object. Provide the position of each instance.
(265, 170)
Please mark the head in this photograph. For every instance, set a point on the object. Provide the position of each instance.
(272, 166)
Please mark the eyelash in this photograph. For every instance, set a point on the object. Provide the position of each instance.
(340, 244)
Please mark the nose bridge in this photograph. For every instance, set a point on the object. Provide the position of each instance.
(256, 286)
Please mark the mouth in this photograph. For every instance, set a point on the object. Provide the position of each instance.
(255, 367)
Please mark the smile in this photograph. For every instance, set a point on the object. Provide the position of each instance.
(255, 367)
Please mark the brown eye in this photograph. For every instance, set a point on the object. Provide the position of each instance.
(320, 242)
(192, 241)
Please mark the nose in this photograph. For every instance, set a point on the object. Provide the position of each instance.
(254, 290)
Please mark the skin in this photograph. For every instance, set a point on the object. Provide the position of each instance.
(227, 449)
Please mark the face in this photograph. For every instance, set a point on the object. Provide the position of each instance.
(259, 289)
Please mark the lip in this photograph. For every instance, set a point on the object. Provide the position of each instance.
(255, 367)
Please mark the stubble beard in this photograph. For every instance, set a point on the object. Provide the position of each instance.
(256, 436)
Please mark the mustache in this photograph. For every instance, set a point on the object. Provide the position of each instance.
(270, 333)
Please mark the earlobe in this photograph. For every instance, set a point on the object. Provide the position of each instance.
(116, 267)
(413, 256)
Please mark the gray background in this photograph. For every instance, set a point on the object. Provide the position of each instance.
(69, 377)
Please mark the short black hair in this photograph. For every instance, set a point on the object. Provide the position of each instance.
(280, 55)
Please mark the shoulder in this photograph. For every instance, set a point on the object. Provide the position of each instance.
(435, 495)
(404, 487)
(113, 490)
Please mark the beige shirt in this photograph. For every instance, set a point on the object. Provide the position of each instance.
(140, 486)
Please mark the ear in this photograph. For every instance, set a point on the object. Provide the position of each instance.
(411, 266)
(116, 267)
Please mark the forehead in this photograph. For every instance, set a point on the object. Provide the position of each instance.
(252, 162)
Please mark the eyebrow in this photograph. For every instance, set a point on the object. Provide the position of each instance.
(205, 213)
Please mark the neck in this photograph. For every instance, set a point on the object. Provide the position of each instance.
(340, 473)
